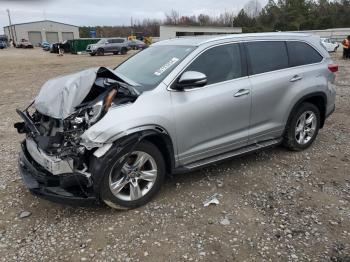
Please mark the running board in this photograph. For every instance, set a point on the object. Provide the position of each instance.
(231, 154)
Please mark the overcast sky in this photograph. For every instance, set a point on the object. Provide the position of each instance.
(108, 12)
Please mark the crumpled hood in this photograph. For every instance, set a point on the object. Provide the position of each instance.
(59, 97)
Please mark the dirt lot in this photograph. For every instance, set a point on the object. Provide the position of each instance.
(274, 205)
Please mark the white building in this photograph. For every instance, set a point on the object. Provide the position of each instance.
(40, 31)
(336, 34)
(168, 32)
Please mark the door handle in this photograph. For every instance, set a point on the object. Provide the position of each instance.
(242, 92)
(296, 78)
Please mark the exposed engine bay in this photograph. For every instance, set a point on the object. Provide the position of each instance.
(64, 109)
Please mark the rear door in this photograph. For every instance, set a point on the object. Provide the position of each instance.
(117, 44)
(277, 77)
(271, 79)
(110, 45)
(215, 118)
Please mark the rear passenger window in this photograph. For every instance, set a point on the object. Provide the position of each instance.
(219, 64)
(302, 54)
(266, 56)
(118, 41)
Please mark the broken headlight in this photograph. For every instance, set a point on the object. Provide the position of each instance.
(97, 110)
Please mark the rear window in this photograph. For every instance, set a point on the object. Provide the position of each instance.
(302, 54)
(266, 56)
(119, 40)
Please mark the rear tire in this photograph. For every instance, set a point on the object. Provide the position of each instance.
(121, 180)
(302, 128)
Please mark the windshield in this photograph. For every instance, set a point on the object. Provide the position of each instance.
(149, 67)
(102, 41)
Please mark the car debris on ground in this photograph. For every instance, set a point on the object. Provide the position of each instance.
(213, 200)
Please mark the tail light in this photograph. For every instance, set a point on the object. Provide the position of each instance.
(333, 68)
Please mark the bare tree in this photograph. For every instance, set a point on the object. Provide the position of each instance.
(172, 18)
(204, 19)
(226, 18)
(253, 8)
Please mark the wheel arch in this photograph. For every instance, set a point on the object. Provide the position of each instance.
(158, 136)
(319, 99)
(125, 144)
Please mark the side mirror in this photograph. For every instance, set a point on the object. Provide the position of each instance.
(106, 43)
(191, 79)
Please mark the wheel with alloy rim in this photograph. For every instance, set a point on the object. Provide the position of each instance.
(123, 51)
(303, 127)
(100, 52)
(135, 179)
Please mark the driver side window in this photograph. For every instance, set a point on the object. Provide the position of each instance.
(219, 64)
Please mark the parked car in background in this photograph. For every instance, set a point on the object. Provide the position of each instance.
(24, 44)
(330, 45)
(45, 46)
(108, 45)
(111, 136)
(3, 45)
(137, 44)
(64, 45)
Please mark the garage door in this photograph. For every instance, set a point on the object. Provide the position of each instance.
(67, 36)
(35, 38)
(52, 37)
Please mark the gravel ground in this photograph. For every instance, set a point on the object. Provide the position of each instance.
(274, 205)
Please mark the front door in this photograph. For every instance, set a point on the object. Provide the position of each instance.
(213, 119)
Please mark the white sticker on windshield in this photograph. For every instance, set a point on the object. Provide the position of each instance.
(165, 67)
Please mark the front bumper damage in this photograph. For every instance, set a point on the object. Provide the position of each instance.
(76, 189)
(56, 162)
(69, 189)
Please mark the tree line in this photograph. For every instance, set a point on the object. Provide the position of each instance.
(280, 15)
(146, 27)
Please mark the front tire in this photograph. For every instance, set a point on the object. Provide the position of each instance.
(100, 52)
(135, 180)
(123, 51)
(302, 128)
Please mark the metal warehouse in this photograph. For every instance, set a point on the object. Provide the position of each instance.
(168, 32)
(40, 31)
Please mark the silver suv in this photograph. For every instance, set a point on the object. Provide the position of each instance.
(111, 136)
(108, 45)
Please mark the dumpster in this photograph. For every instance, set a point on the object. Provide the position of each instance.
(79, 45)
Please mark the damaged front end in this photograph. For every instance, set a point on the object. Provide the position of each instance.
(55, 161)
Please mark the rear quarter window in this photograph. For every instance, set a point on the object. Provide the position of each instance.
(301, 53)
(266, 56)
